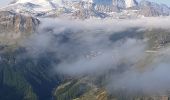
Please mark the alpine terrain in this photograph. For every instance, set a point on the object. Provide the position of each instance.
(84, 50)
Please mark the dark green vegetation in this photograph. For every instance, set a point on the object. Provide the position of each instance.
(23, 77)
(71, 90)
(158, 38)
(155, 37)
(26, 78)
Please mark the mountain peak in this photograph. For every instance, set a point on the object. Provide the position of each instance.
(131, 3)
(40, 1)
(89, 8)
(118, 3)
(40, 5)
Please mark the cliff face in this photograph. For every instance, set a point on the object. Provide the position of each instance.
(13, 26)
(150, 9)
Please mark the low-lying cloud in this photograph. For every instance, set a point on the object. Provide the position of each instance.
(154, 80)
(129, 52)
(95, 46)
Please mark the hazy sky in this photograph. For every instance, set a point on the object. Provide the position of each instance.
(161, 1)
(4, 2)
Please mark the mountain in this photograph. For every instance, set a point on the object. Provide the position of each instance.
(14, 26)
(131, 3)
(25, 78)
(89, 8)
(30, 56)
(153, 9)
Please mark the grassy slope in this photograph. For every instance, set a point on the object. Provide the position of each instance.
(156, 39)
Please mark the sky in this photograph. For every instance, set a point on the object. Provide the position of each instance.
(5, 2)
(161, 1)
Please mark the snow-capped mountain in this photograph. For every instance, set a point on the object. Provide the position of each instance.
(46, 5)
(130, 3)
(89, 8)
(153, 9)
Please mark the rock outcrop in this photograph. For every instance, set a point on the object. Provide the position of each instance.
(13, 26)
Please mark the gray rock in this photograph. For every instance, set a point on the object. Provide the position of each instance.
(14, 26)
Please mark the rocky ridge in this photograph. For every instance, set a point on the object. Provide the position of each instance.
(89, 8)
(14, 26)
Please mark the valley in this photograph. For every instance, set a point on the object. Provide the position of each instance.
(84, 50)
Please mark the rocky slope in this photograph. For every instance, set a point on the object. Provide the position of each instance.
(70, 90)
(152, 9)
(14, 26)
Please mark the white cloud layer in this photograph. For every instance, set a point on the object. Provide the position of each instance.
(96, 46)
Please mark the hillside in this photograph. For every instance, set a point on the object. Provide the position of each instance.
(84, 50)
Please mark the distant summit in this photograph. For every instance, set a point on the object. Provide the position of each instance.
(131, 3)
(89, 8)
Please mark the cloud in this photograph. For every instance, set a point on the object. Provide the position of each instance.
(154, 80)
(110, 58)
(94, 47)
